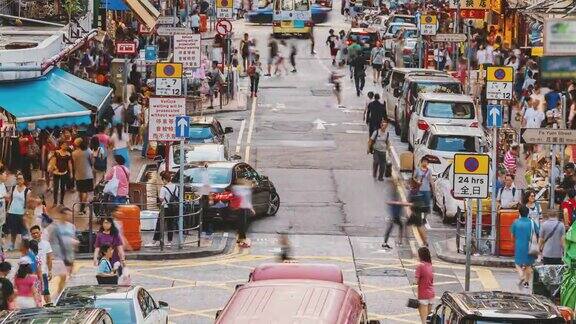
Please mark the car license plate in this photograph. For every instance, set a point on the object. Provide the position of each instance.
(286, 23)
(299, 23)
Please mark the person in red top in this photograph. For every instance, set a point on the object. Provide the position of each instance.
(24, 143)
(569, 207)
(425, 280)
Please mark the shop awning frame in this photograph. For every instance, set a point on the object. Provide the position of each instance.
(84, 91)
(144, 11)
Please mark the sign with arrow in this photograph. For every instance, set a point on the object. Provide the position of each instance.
(494, 116)
(182, 126)
(547, 136)
(320, 124)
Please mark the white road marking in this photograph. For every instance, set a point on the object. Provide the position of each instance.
(354, 123)
(239, 139)
(353, 131)
(250, 129)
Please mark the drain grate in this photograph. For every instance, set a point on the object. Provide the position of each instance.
(321, 92)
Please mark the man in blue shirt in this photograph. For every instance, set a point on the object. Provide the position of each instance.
(552, 98)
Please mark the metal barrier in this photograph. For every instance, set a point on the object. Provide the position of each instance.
(138, 221)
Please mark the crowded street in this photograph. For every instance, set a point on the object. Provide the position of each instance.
(290, 161)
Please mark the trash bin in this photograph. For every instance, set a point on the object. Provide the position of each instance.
(505, 242)
(130, 217)
(203, 23)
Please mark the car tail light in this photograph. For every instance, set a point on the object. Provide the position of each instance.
(276, 23)
(474, 124)
(423, 125)
(432, 159)
(309, 23)
(222, 196)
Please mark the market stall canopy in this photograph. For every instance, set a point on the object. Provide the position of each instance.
(145, 11)
(38, 101)
(84, 91)
(117, 5)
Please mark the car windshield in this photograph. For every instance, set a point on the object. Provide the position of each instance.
(451, 110)
(408, 33)
(195, 154)
(121, 310)
(451, 143)
(441, 87)
(216, 176)
(201, 132)
(366, 38)
(399, 19)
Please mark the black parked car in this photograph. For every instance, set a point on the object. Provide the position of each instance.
(495, 307)
(221, 176)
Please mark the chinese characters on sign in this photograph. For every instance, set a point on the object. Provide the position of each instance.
(471, 175)
(187, 51)
(428, 25)
(168, 79)
(547, 136)
(162, 117)
(499, 82)
(470, 4)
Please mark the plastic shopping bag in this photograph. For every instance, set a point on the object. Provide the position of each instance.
(125, 279)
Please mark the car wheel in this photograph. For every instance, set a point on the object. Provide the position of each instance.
(396, 124)
(273, 204)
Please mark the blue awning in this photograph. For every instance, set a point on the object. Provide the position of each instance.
(40, 102)
(118, 5)
(87, 92)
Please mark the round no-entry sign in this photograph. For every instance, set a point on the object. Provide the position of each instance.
(223, 27)
(499, 74)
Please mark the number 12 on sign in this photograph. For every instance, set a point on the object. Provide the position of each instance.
(499, 90)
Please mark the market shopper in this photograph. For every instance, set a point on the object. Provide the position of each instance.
(168, 196)
(122, 174)
(109, 235)
(82, 162)
(26, 148)
(254, 72)
(25, 284)
(511, 159)
(17, 204)
(62, 238)
(7, 293)
(534, 207)
(522, 230)
(45, 256)
(100, 162)
(568, 208)
(61, 170)
(424, 278)
(509, 197)
(552, 240)
(377, 146)
(567, 183)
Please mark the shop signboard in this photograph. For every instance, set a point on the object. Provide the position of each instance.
(168, 79)
(558, 67)
(162, 117)
(451, 38)
(470, 4)
(187, 51)
(499, 82)
(127, 48)
(167, 20)
(471, 173)
(560, 36)
(428, 25)
(224, 9)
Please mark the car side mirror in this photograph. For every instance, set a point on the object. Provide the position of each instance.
(162, 304)
(236, 157)
(228, 130)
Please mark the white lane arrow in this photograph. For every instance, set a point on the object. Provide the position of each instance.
(182, 124)
(319, 123)
(494, 112)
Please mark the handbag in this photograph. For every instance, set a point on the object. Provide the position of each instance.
(111, 186)
(533, 248)
(413, 303)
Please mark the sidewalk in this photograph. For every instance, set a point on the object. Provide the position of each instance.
(446, 249)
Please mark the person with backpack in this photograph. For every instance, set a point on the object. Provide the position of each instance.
(82, 161)
(133, 117)
(377, 145)
(120, 144)
(552, 240)
(169, 198)
(568, 208)
(100, 160)
(17, 203)
(508, 196)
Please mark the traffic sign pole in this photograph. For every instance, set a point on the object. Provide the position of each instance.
(494, 180)
(468, 244)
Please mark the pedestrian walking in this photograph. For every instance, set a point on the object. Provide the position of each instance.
(25, 284)
(245, 52)
(511, 159)
(354, 50)
(523, 229)
(272, 53)
(396, 210)
(100, 162)
(17, 204)
(398, 49)
(120, 143)
(27, 148)
(551, 240)
(62, 238)
(109, 235)
(375, 114)
(280, 63)
(424, 278)
(106, 273)
(241, 206)
(376, 60)
(82, 162)
(421, 196)
(359, 68)
(568, 208)
(45, 257)
(293, 52)
(7, 293)
(254, 72)
(169, 198)
(334, 79)
(118, 188)
(332, 42)
(509, 197)
(534, 207)
(133, 119)
(377, 146)
(62, 172)
(312, 43)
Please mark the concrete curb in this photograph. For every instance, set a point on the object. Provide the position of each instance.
(477, 260)
(220, 245)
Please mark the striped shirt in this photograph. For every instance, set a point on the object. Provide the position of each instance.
(510, 162)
